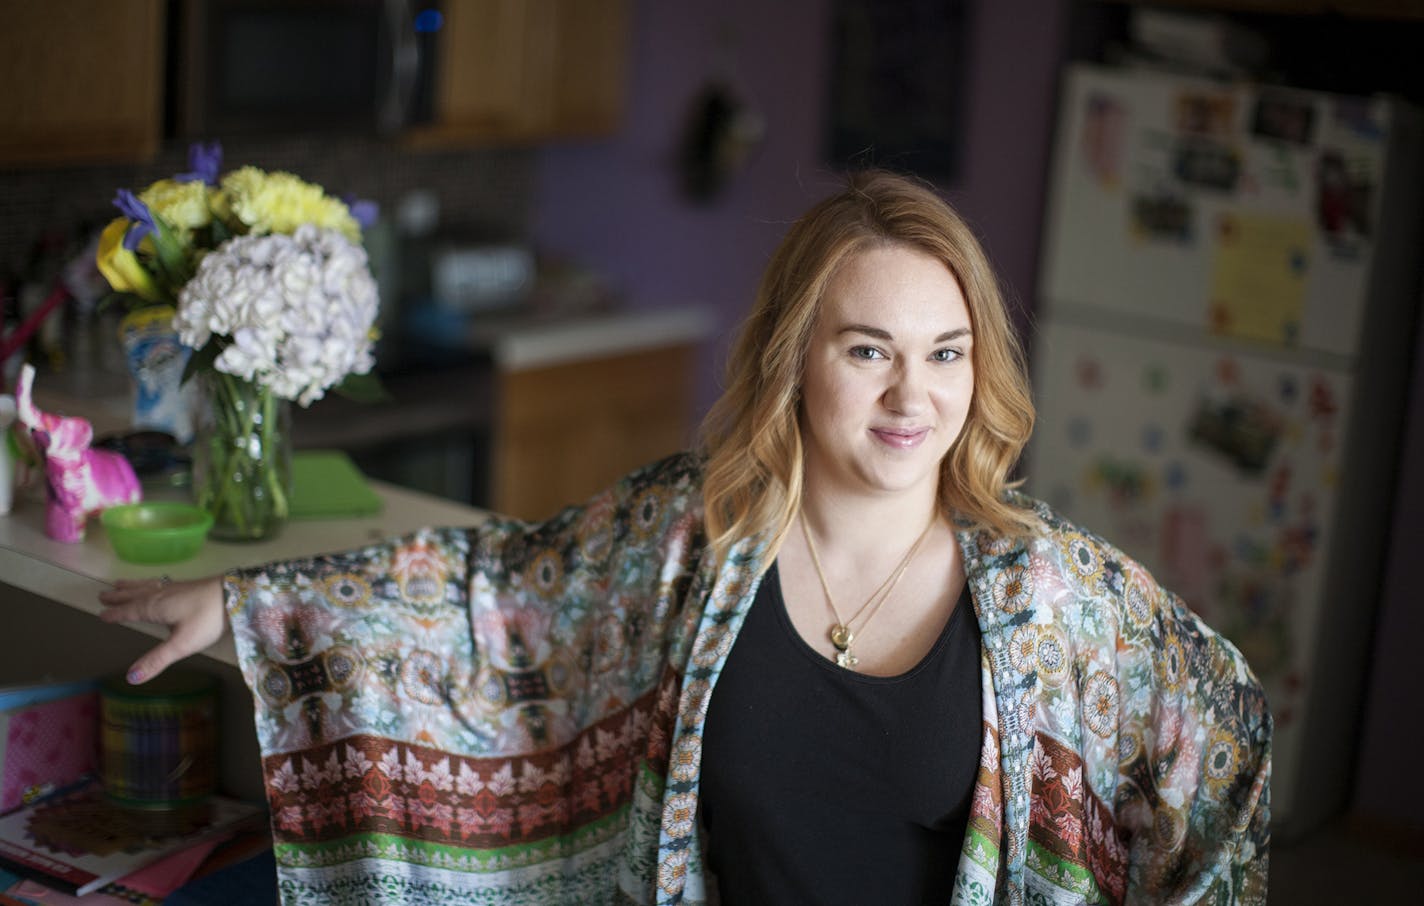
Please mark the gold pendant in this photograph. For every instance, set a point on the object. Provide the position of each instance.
(845, 659)
(841, 637)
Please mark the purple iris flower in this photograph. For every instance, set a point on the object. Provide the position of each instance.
(363, 209)
(205, 161)
(135, 210)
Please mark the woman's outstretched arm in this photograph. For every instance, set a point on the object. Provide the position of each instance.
(192, 610)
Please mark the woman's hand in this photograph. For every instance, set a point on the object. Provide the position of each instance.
(193, 611)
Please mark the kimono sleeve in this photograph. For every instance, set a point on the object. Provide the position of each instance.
(429, 704)
(365, 642)
(479, 640)
(1195, 756)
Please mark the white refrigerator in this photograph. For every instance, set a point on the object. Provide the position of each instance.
(1229, 282)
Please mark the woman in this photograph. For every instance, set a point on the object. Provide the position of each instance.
(939, 689)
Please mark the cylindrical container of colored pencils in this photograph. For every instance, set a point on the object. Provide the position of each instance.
(158, 746)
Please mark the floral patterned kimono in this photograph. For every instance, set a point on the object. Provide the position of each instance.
(512, 714)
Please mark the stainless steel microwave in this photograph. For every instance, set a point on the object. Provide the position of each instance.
(274, 66)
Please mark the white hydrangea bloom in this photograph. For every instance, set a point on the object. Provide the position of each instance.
(295, 311)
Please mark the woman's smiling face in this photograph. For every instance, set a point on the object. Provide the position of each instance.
(889, 375)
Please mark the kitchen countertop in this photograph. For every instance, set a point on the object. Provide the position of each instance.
(518, 340)
(518, 345)
(72, 575)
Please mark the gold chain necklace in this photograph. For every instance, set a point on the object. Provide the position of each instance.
(841, 635)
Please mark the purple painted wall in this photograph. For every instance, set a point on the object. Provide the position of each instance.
(614, 204)
(1015, 56)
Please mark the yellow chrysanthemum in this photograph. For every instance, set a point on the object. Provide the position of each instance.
(182, 205)
(279, 202)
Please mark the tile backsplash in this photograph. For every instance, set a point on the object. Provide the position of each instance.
(488, 189)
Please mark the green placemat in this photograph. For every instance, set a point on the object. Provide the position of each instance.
(326, 484)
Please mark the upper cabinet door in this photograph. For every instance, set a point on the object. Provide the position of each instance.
(590, 59)
(527, 70)
(83, 81)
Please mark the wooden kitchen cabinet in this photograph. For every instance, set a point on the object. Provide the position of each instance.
(566, 431)
(526, 70)
(83, 81)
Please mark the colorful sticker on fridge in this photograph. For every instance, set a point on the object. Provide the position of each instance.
(1207, 165)
(1278, 169)
(1259, 277)
(1323, 409)
(1322, 399)
(1240, 428)
(1104, 124)
(1155, 379)
(1283, 118)
(1228, 372)
(1123, 481)
(1248, 550)
(1358, 115)
(1089, 372)
(1174, 475)
(1297, 545)
(1204, 114)
(1153, 438)
(1344, 187)
(1185, 550)
(1254, 612)
(1162, 217)
(1277, 490)
(1288, 389)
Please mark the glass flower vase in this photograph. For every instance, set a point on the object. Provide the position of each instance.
(242, 457)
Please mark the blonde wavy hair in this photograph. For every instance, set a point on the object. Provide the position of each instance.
(752, 439)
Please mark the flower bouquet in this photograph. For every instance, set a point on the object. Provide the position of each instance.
(268, 285)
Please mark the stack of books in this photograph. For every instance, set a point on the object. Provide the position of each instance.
(63, 841)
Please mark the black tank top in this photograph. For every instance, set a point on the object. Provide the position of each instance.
(820, 785)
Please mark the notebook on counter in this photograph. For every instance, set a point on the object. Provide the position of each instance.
(327, 485)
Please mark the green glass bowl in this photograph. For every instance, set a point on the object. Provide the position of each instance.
(156, 532)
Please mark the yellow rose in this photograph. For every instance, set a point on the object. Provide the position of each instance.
(120, 266)
(279, 202)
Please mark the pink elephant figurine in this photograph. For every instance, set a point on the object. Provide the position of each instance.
(81, 481)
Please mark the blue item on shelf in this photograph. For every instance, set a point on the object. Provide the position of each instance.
(251, 882)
